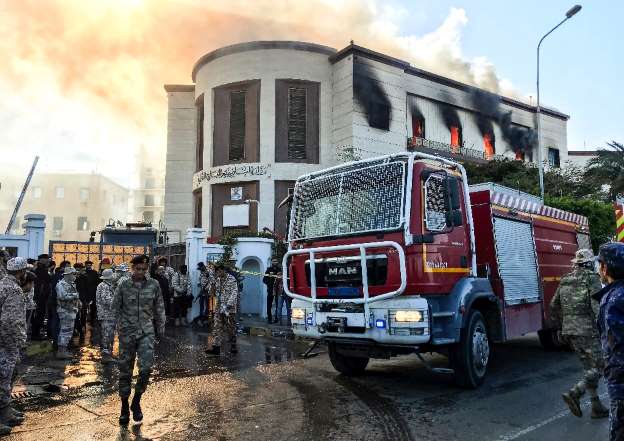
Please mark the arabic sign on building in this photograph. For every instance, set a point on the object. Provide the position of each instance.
(229, 172)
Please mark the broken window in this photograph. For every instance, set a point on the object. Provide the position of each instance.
(456, 136)
(297, 123)
(489, 145)
(237, 125)
(418, 126)
(437, 203)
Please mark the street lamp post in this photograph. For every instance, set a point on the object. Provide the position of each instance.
(540, 160)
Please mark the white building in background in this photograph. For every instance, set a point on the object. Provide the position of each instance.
(580, 158)
(148, 199)
(261, 114)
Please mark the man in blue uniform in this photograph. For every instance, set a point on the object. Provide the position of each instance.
(611, 330)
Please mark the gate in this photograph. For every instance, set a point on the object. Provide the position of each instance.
(80, 252)
(175, 254)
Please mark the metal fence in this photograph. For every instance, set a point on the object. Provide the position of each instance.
(80, 252)
(175, 254)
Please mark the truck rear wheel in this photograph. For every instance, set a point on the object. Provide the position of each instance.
(470, 358)
(345, 364)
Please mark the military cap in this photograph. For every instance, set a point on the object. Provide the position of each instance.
(612, 255)
(69, 270)
(137, 260)
(17, 264)
(43, 256)
(107, 274)
(122, 268)
(583, 256)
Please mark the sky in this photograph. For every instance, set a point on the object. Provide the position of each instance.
(82, 80)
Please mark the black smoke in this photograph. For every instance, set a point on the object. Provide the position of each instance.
(520, 139)
(415, 111)
(372, 97)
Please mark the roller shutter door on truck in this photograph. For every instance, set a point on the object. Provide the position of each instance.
(517, 266)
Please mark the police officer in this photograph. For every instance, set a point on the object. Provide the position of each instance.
(67, 307)
(574, 308)
(104, 296)
(139, 308)
(225, 289)
(12, 337)
(611, 330)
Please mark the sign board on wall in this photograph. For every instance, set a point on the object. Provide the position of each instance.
(229, 172)
(236, 194)
(236, 215)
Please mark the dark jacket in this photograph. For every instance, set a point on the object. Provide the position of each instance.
(42, 285)
(92, 281)
(268, 280)
(611, 330)
(81, 287)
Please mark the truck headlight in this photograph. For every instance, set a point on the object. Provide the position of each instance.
(298, 313)
(408, 316)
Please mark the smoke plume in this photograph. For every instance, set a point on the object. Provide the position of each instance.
(371, 95)
(82, 80)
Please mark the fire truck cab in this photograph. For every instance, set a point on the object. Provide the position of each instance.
(397, 255)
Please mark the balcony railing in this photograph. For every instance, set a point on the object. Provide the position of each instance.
(415, 143)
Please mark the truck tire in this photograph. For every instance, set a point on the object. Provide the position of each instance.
(350, 366)
(550, 340)
(470, 357)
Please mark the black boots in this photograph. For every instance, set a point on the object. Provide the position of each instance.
(124, 418)
(137, 414)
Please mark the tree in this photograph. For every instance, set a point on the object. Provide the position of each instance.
(607, 168)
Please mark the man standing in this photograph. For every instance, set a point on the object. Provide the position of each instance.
(53, 320)
(92, 279)
(104, 296)
(139, 307)
(225, 290)
(611, 330)
(42, 293)
(12, 337)
(4, 258)
(574, 308)
(121, 271)
(269, 280)
(68, 306)
(165, 288)
(181, 293)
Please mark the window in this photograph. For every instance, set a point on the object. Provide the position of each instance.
(57, 223)
(237, 125)
(553, 158)
(83, 223)
(489, 143)
(197, 208)
(148, 216)
(456, 136)
(84, 194)
(236, 134)
(199, 147)
(149, 200)
(150, 183)
(283, 202)
(436, 202)
(36, 192)
(297, 121)
(60, 192)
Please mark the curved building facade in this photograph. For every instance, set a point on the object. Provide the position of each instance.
(260, 114)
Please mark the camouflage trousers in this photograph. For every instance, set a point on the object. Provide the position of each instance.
(590, 354)
(223, 329)
(135, 347)
(8, 360)
(67, 323)
(616, 420)
(107, 328)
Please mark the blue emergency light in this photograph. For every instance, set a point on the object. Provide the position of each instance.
(381, 324)
(309, 321)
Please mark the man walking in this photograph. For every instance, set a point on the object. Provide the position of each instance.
(12, 337)
(611, 330)
(269, 280)
(575, 309)
(104, 296)
(140, 312)
(68, 306)
(225, 290)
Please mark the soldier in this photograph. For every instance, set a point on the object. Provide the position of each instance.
(121, 271)
(611, 330)
(104, 296)
(12, 337)
(4, 257)
(139, 307)
(68, 306)
(181, 292)
(225, 290)
(573, 307)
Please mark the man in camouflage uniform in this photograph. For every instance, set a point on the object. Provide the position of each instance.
(573, 307)
(225, 290)
(104, 296)
(4, 257)
(139, 308)
(68, 306)
(121, 271)
(611, 330)
(12, 337)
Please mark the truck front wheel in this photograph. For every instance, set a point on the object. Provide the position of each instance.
(470, 358)
(344, 364)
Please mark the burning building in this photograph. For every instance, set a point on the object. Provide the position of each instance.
(260, 114)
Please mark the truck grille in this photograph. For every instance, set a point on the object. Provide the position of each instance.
(347, 272)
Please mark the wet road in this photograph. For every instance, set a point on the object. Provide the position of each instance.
(267, 392)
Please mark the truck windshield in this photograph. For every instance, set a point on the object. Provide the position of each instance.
(355, 201)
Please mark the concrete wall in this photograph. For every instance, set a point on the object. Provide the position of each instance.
(31, 243)
(180, 163)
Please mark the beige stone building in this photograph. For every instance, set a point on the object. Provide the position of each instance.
(74, 204)
(148, 199)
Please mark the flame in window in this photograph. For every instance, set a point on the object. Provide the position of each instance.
(488, 145)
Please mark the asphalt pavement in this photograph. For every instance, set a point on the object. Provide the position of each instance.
(269, 392)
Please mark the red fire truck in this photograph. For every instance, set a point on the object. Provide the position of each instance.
(397, 255)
